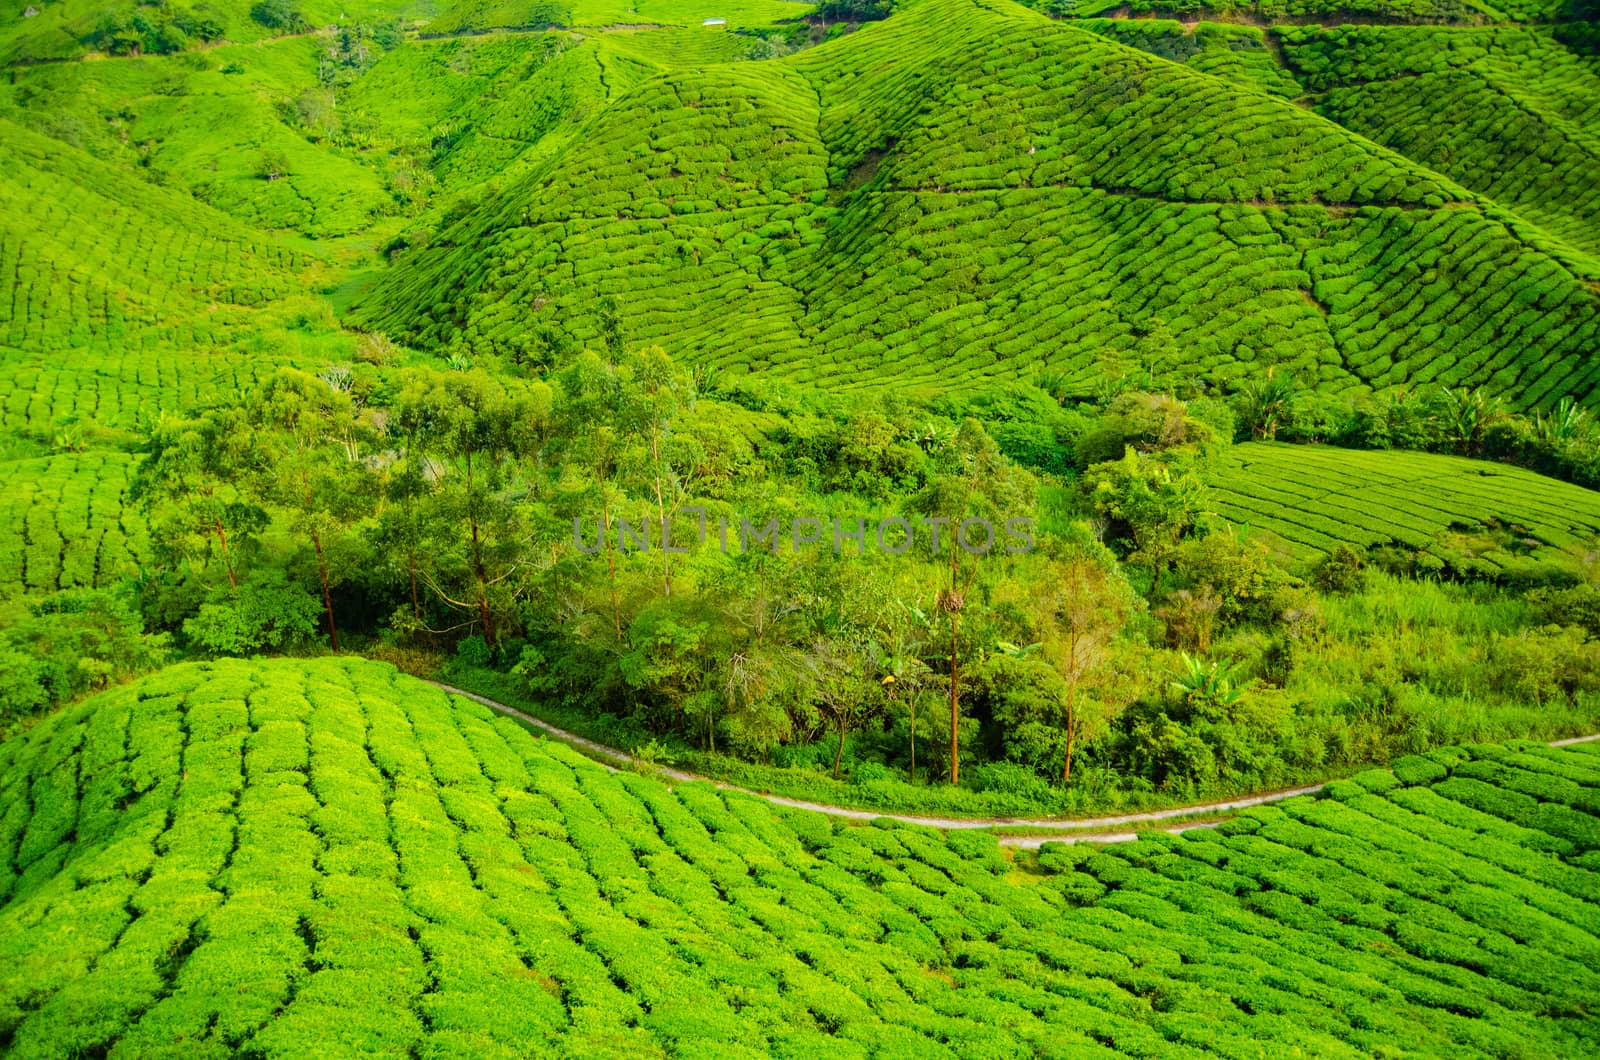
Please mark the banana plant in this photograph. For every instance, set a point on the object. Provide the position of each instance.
(1214, 685)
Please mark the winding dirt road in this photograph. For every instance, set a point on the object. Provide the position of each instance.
(1096, 829)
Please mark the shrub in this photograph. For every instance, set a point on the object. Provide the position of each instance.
(281, 15)
(1343, 571)
(266, 613)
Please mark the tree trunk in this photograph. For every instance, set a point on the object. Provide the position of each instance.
(955, 672)
(913, 739)
(416, 603)
(227, 557)
(661, 512)
(483, 583)
(1072, 731)
(955, 699)
(611, 560)
(327, 595)
(838, 754)
(477, 563)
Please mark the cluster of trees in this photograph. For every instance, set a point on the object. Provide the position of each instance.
(157, 29)
(281, 16)
(72, 643)
(441, 505)
(376, 505)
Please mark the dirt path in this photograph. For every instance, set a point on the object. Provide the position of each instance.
(1095, 829)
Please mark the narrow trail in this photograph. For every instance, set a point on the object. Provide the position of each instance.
(1094, 827)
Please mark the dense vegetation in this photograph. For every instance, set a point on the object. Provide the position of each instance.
(822, 220)
(280, 858)
(1258, 354)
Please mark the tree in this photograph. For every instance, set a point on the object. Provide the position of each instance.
(972, 481)
(587, 414)
(766, 674)
(185, 483)
(905, 674)
(1467, 416)
(1080, 603)
(669, 658)
(281, 15)
(655, 394)
(472, 430)
(1146, 503)
(1266, 404)
(307, 457)
(844, 694)
(267, 612)
(272, 164)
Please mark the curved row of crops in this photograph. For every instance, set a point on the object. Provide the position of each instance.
(1471, 517)
(146, 256)
(1524, 111)
(67, 523)
(271, 856)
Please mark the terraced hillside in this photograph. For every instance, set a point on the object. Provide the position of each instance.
(273, 856)
(67, 523)
(970, 192)
(1523, 107)
(1471, 517)
(149, 306)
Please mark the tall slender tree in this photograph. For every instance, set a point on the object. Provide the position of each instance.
(972, 481)
(1079, 603)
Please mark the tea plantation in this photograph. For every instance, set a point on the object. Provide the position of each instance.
(1470, 517)
(68, 523)
(320, 322)
(281, 858)
(963, 195)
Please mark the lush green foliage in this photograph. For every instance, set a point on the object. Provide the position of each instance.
(71, 643)
(284, 858)
(958, 261)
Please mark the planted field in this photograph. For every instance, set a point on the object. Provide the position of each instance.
(960, 195)
(67, 523)
(1513, 113)
(206, 125)
(287, 857)
(150, 256)
(1467, 516)
(1237, 53)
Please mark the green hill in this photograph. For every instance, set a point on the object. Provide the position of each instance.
(968, 193)
(276, 857)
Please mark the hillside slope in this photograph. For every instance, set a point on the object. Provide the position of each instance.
(271, 857)
(969, 191)
(1470, 518)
